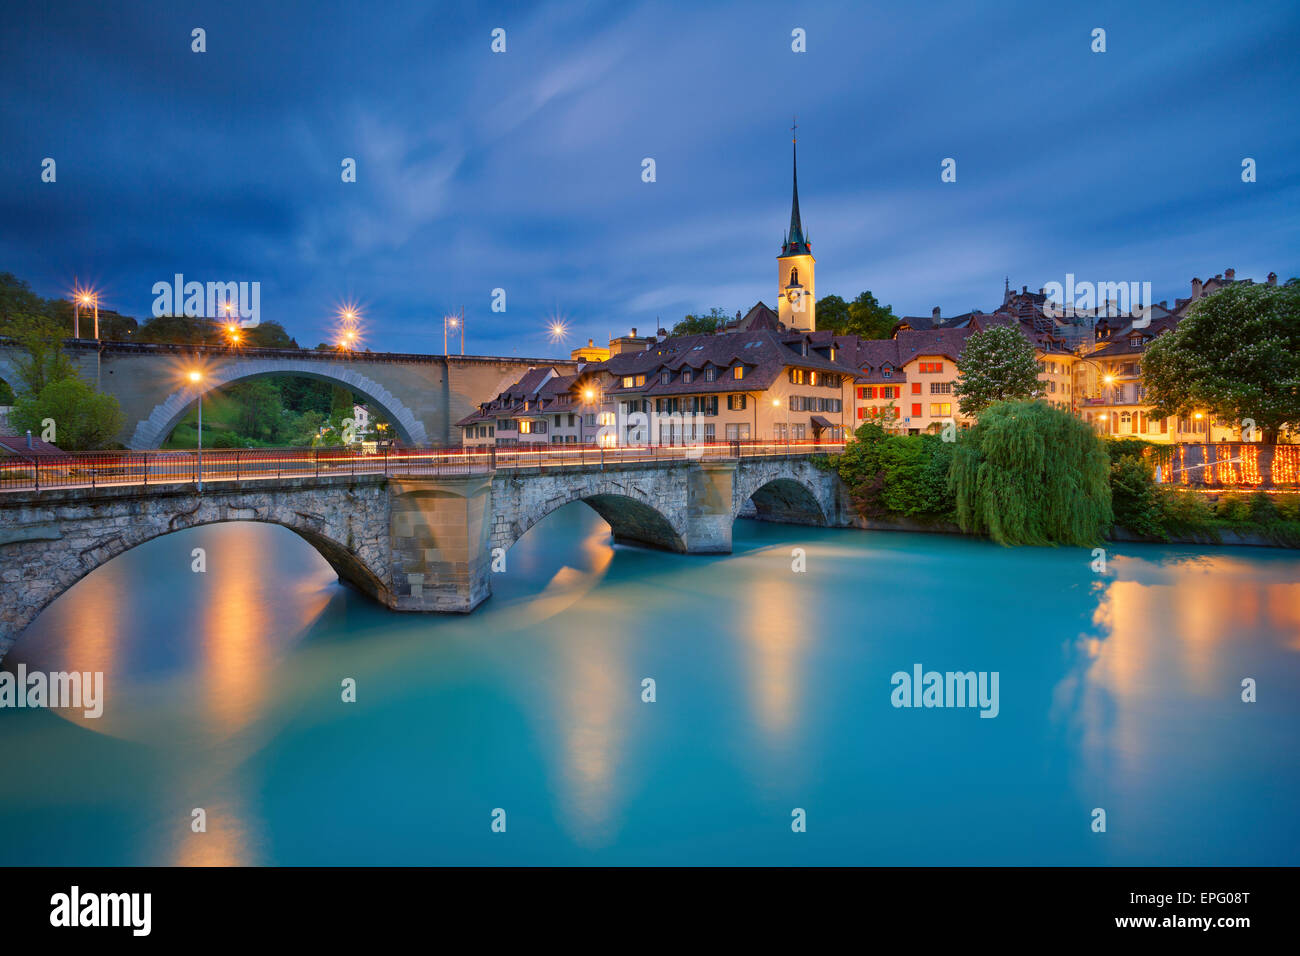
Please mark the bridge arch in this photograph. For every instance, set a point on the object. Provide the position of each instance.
(631, 508)
(782, 492)
(346, 524)
(151, 432)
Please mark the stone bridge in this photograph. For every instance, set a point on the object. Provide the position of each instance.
(422, 395)
(413, 544)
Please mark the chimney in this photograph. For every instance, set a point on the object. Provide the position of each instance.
(591, 343)
(1231, 274)
(1164, 304)
(29, 438)
(1219, 276)
(1196, 288)
(634, 331)
(934, 313)
(1272, 278)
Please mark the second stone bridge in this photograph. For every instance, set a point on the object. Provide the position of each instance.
(414, 544)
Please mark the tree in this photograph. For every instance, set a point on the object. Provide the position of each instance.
(1236, 353)
(832, 313)
(701, 324)
(84, 420)
(1029, 473)
(996, 365)
(45, 362)
(864, 317)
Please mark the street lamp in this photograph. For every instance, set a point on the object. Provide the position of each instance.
(776, 403)
(456, 322)
(196, 377)
(86, 297)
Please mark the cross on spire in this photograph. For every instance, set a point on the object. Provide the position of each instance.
(794, 136)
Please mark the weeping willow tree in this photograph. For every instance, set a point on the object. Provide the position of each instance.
(1032, 474)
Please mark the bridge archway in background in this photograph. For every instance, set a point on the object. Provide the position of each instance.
(151, 432)
(630, 518)
(785, 500)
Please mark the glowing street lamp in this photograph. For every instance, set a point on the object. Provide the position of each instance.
(455, 322)
(558, 330)
(86, 297)
(195, 378)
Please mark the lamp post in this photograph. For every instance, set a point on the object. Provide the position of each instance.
(196, 377)
(456, 322)
(776, 403)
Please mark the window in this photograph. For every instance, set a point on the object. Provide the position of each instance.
(738, 431)
(710, 374)
(709, 433)
(916, 388)
(686, 375)
(916, 409)
(798, 431)
(865, 392)
(940, 388)
(738, 372)
(640, 380)
(491, 431)
(665, 378)
(796, 376)
(736, 403)
(812, 378)
(627, 381)
(886, 372)
(832, 353)
(932, 368)
(940, 409)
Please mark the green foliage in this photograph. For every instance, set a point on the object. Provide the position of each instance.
(701, 324)
(6, 393)
(895, 474)
(996, 365)
(1237, 353)
(1185, 512)
(864, 316)
(1135, 498)
(187, 330)
(84, 420)
(1031, 474)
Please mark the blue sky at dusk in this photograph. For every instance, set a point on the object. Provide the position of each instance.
(522, 170)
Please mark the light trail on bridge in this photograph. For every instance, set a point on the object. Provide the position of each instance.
(145, 469)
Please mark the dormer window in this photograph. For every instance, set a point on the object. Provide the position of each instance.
(686, 375)
(886, 372)
(738, 372)
(803, 348)
(665, 378)
(832, 353)
(710, 374)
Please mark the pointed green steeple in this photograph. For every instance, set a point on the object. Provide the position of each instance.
(796, 243)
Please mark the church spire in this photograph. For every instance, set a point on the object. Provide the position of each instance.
(796, 243)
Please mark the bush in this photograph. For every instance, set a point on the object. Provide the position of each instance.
(1233, 507)
(84, 419)
(1186, 511)
(1029, 473)
(1135, 499)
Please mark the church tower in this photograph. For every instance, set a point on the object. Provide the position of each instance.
(797, 290)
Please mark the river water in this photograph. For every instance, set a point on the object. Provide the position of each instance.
(1117, 690)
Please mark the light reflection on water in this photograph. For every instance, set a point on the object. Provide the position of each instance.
(1120, 691)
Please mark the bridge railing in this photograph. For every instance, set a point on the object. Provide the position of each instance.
(115, 469)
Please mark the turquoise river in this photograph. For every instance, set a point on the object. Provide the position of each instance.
(1118, 690)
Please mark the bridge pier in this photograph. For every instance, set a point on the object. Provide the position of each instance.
(438, 537)
(709, 493)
